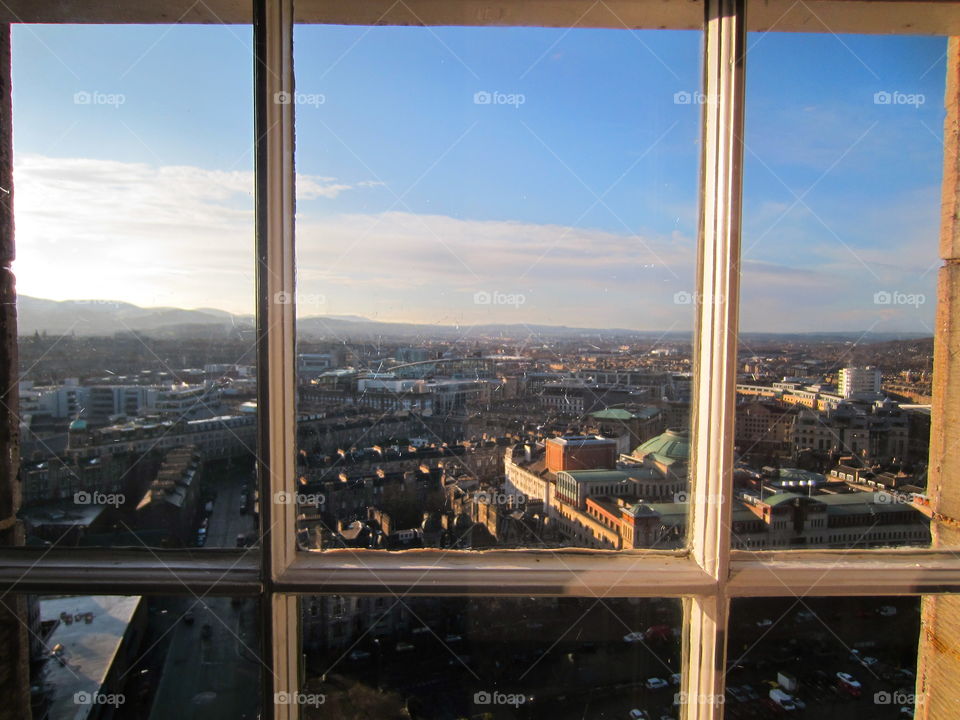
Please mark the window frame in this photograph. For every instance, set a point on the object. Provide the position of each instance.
(709, 573)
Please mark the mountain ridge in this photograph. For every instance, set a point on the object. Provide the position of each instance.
(109, 317)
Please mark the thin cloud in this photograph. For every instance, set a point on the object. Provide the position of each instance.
(183, 236)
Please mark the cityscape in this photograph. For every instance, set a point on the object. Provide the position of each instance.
(498, 237)
(560, 439)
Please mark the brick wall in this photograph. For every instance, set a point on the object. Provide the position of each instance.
(939, 660)
(14, 646)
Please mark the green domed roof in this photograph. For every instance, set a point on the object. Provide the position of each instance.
(78, 425)
(668, 447)
(612, 414)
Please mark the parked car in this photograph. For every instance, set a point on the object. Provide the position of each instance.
(849, 684)
(636, 714)
(784, 700)
(655, 683)
(633, 637)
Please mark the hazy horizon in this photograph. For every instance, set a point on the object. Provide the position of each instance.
(516, 323)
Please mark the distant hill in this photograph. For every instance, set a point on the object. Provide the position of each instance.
(107, 317)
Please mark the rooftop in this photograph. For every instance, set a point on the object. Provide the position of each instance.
(668, 447)
(90, 642)
(581, 440)
(596, 476)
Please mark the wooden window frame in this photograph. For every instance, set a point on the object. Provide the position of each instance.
(709, 573)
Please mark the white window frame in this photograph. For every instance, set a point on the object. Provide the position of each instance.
(707, 575)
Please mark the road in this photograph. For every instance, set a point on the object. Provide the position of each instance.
(210, 678)
(217, 676)
(226, 522)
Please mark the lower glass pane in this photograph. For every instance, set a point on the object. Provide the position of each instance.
(822, 658)
(442, 658)
(134, 657)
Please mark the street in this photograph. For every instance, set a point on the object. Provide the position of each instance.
(226, 521)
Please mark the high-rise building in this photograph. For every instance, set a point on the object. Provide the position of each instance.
(859, 382)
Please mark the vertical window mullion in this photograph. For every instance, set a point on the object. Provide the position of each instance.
(276, 343)
(715, 351)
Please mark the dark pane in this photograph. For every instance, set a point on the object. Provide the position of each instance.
(846, 658)
(136, 657)
(383, 657)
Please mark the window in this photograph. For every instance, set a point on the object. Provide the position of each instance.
(488, 201)
(122, 655)
(137, 406)
(708, 574)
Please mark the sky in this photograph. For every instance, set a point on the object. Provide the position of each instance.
(475, 175)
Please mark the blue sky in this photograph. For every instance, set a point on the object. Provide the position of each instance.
(573, 191)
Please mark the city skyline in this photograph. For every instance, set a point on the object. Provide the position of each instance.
(415, 196)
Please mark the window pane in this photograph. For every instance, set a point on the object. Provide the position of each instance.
(136, 657)
(496, 248)
(823, 658)
(843, 162)
(371, 657)
(135, 263)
